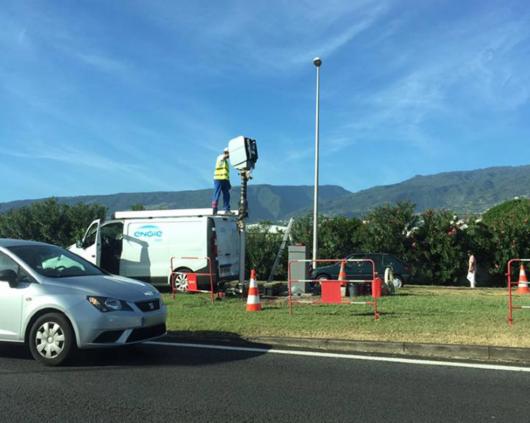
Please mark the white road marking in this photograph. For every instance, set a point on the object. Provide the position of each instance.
(346, 356)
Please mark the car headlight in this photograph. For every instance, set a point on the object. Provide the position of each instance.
(105, 304)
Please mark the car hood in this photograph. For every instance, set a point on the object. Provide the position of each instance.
(107, 286)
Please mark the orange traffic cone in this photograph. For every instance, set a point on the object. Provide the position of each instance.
(253, 303)
(342, 271)
(522, 286)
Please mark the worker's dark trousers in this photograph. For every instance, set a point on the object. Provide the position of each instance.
(224, 187)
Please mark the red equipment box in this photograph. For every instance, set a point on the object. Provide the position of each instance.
(330, 291)
(192, 282)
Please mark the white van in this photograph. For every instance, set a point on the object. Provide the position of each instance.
(140, 244)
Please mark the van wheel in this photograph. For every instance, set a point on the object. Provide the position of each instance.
(51, 339)
(181, 279)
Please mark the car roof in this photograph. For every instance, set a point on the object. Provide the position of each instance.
(8, 242)
(370, 254)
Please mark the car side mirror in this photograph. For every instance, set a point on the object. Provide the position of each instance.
(79, 243)
(9, 276)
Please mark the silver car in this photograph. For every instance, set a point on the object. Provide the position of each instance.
(55, 301)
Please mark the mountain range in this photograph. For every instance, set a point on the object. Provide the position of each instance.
(463, 192)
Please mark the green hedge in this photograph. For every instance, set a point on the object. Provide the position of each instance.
(435, 242)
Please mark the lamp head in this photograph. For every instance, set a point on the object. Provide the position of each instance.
(317, 62)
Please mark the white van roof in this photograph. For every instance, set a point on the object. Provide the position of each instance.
(148, 214)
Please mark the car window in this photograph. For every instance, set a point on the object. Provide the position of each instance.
(393, 261)
(7, 263)
(61, 261)
(113, 231)
(359, 267)
(90, 238)
(54, 262)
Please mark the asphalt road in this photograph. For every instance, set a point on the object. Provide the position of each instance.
(161, 383)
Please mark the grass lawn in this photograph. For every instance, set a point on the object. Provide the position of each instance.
(415, 314)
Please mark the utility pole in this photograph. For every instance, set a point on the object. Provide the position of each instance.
(243, 157)
(317, 62)
(242, 214)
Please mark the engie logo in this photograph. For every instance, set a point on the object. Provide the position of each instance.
(148, 231)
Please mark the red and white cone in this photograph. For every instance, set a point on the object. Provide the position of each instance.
(253, 303)
(522, 285)
(342, 271)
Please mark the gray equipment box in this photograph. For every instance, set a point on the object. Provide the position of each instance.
(299, 270)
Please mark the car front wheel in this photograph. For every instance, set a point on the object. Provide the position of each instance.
(51, 339)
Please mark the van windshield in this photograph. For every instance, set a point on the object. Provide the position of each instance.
(54, 262)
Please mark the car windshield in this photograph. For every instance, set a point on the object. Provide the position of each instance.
(54, 262)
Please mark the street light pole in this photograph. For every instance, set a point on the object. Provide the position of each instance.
(317, 62)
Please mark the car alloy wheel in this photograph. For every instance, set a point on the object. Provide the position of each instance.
(181, 281)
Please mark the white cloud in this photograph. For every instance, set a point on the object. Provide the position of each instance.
(268, 36)
(478, 68)
(103, 63)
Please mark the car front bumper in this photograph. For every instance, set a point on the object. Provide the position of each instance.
(98, 330)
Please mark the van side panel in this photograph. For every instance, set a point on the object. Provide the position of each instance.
(149, 244)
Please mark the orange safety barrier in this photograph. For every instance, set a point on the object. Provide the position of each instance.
(331, 289)
(192, 278)
(522, 286)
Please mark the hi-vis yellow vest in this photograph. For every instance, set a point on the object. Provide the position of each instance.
(221, 169)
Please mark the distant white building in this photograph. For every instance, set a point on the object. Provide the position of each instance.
(272, 229)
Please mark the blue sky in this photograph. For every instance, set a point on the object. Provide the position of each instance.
(99, 97)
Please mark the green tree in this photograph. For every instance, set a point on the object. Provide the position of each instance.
(261, 250)
(302, 232)
(437, 252)
(49, 221)
(509, 228)
(338, 236)
(386, 229)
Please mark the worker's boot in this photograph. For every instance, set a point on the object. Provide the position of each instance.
(214, 211)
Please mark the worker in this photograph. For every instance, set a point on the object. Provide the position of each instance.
(221, 180)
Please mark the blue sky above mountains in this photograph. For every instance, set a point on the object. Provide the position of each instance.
(123, 96)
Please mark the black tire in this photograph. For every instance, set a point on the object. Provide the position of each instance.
(51, 339)
(316, 289)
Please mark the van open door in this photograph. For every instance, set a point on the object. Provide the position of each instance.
(90, 247)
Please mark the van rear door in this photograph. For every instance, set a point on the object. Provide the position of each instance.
(227, 240)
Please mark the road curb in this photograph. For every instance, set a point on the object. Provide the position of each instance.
(439, 351)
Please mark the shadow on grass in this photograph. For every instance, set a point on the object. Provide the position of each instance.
(161, 352)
